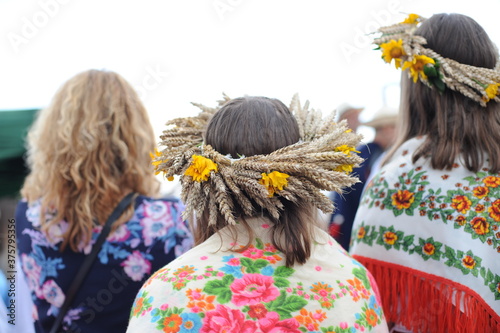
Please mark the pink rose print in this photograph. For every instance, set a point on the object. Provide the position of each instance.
(136, 266)
(32, 271)
(253, 289)
(56, 231)
(224, 319)
(120, 234)
(52, 293)
(156, 210)
(252, 253)
(154, 229)
(271, 324)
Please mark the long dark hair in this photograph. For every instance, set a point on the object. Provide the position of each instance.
(258, 125)
(454, 125)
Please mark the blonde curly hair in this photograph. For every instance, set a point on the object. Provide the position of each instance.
(86, 150)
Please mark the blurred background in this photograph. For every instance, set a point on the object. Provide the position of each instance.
(177, 52)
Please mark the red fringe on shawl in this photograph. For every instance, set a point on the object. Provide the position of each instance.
(425, 303)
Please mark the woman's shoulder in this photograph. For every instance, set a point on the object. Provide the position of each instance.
(255, 288)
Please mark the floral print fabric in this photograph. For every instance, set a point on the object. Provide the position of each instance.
(155, 235)
(441, 222)
(213, 289)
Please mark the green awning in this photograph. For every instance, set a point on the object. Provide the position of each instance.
(14, 125)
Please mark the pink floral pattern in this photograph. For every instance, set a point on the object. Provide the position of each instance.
(253, 291)
(154, 236)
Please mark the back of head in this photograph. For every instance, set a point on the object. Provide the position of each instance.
(87, 148)
(252, 126)
(454, 124)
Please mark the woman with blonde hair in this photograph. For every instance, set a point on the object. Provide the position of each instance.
(252, 172)
(88, 150)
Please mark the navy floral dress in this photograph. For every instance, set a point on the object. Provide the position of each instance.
(154, 236)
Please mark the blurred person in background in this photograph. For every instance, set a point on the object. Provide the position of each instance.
(87, 150)
(384, 124)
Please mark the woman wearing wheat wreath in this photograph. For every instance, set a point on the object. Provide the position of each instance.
(427, 226)
(252, 172)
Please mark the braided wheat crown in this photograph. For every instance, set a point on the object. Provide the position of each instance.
(213, 183)
(399, 43)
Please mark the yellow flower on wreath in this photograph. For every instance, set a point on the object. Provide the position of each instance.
(491, 91)
(200, 168)
(347, 168)
(346, 149)
(416, 66)
(156, 162)
(274, 181)
(393, 50)
(411, 19)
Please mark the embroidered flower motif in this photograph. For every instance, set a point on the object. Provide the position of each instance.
(322, 289)
(390, 237)
(253, 289)
(393, 50)
(480, 192)
(141, 304)
(191, 323)
(491, 181)
(480, 225)
(310, 320)
(460, 220)
(136, 266)
(274, 181)
(361, 233)
(271, 324)
(53, 293)
(416, 66)
(199, 302)
(402, 199)
(461, 203)
(225, 319)
(252, 252)
(200, 168)
(257, 311)
(371, 317)
(468, 262)
(172, 323)
(121, 234)
(429, 249)
(184, 271)
(494, 210)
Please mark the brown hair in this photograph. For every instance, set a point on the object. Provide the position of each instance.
(258, 125)
(86, 150)
(454, 125)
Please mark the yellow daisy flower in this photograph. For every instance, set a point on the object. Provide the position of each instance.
(347, 168)
(412, 19)
(274, 181)
(393, 50)
(346, 149)
(200, 168)
(491, 91)
(416, 66)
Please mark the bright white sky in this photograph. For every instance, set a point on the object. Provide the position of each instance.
(175, 52)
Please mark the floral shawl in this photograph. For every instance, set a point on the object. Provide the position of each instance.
(431, 239)
(212, 289)
(155, 235)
